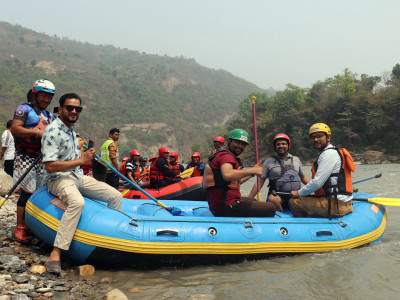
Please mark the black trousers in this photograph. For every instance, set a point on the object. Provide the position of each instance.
(9, 167)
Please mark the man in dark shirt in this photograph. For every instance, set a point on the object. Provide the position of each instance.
(160, 173)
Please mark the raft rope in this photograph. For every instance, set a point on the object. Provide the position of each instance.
(217, 220)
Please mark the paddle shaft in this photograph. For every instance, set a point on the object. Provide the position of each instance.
(135, 185)
(20, 180)
(253, 104)
(369, 178)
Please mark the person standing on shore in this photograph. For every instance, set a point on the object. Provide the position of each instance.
(29, 123)
(8, 149)
(109, 153)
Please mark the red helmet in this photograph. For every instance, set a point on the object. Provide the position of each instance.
(162, 150)
(282, 136)
(134, 152)
(219, 139)
(125, 158)
(174, 154)
(196, 154)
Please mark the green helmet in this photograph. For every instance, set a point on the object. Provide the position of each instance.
(239, 134)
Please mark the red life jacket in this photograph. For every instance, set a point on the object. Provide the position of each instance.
(175, 168)
(32, 144)
(156, 173)
(344, 184)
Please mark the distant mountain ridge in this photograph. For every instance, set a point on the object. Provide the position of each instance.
(122, 88)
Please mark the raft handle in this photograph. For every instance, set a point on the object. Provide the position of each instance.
(173, 232)
(134, 222)
(248, 224)
(325, 232)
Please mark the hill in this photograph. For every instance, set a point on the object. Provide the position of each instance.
(154, 100)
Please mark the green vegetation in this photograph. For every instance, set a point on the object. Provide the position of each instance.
(362, 112)
(121, 88)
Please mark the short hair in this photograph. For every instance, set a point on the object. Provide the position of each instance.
(69, 96)
(9, 123)
(113, 130)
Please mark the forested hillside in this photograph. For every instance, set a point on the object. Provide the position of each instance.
(155, 100)
(362, 112)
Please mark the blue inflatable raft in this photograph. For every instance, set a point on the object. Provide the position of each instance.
(145, 234)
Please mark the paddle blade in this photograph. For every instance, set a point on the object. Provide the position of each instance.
(385, 201)
(2, 202)
(186, 174)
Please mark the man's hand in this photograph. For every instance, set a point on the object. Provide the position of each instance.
(294, 194)
(258, 170)
(88, 155)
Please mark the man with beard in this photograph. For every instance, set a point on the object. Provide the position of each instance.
(222, 178)
(29, 122)
(331, 180)
(64, 178)
(283, 171)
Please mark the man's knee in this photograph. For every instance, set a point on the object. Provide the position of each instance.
(72, 197)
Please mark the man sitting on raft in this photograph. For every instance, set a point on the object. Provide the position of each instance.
(222, 178)
(331, 180)
(64, 178)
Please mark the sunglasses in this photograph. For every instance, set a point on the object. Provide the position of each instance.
(71, 108)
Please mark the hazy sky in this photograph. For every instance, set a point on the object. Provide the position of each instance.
(269, 43)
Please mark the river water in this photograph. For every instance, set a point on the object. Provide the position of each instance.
(369, 272)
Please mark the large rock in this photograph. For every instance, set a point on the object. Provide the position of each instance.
(373, 157)
(6, 183)
(115, 294)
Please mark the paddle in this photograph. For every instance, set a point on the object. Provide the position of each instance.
(369, 178)
(378, 200)
(187, 173)
(253, 101)
(20, 180)
(173, 210)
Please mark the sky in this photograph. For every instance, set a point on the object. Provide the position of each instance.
(268, 43)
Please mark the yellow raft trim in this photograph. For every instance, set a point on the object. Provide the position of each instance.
(207, 248)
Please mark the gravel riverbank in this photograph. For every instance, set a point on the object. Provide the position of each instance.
(22, 271)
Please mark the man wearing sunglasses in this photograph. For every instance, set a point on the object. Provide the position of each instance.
(64, 178)
(331, 180)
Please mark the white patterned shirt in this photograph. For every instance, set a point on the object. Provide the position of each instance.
(60, 143)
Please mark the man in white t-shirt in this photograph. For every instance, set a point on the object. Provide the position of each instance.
(8, 149)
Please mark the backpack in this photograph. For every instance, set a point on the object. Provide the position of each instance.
(289, 180)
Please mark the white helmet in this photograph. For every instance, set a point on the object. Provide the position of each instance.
(43, 85)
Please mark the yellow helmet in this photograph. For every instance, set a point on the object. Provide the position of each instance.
(320, 127)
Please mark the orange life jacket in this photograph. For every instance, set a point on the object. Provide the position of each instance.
(196, 171)
(145, 171)
(175, 168)
(344, 184)
(122, 168)
(156, 173)
(137, 172)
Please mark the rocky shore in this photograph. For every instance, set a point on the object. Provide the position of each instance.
(22, 271)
